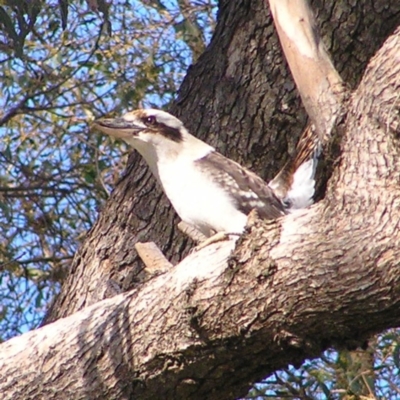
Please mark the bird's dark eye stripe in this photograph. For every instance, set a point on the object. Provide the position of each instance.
(163, 129)
(169, 132)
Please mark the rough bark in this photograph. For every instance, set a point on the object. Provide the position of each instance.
(324, 276)
(239, 97)
(205, 329)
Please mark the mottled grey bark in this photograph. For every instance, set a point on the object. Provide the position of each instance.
(323, 276)
(239, 97)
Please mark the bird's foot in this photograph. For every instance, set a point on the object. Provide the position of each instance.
(218, 237)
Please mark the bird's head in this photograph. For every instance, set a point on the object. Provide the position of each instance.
(154, 127)
(157, 135)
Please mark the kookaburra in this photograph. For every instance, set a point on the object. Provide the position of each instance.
(209, 191)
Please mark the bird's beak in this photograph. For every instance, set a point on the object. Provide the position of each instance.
(118, 127)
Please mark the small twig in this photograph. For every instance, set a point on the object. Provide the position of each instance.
(153, 258)
(99, 177)
(193, 233)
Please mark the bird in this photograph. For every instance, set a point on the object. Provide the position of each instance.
(210, 192)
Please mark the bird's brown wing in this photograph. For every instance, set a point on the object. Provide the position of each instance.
(247, 189)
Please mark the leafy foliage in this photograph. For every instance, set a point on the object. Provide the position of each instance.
(340, 375)
(64, 64)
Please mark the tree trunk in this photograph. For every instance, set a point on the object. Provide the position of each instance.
(292, 287)
(238, 97)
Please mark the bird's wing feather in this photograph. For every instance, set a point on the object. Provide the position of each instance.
(248, 190)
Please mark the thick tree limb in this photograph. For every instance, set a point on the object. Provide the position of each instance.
(322, 276)
(238, 85)
(211, 318)
(293, 287)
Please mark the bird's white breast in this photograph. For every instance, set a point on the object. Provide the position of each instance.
(198, 200)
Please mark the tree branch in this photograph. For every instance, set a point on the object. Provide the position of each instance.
(257, 311)
(320, 86)
(322, 276)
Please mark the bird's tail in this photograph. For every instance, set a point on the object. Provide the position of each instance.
(295, 182)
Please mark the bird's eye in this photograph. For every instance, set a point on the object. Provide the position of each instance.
(150, 120)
